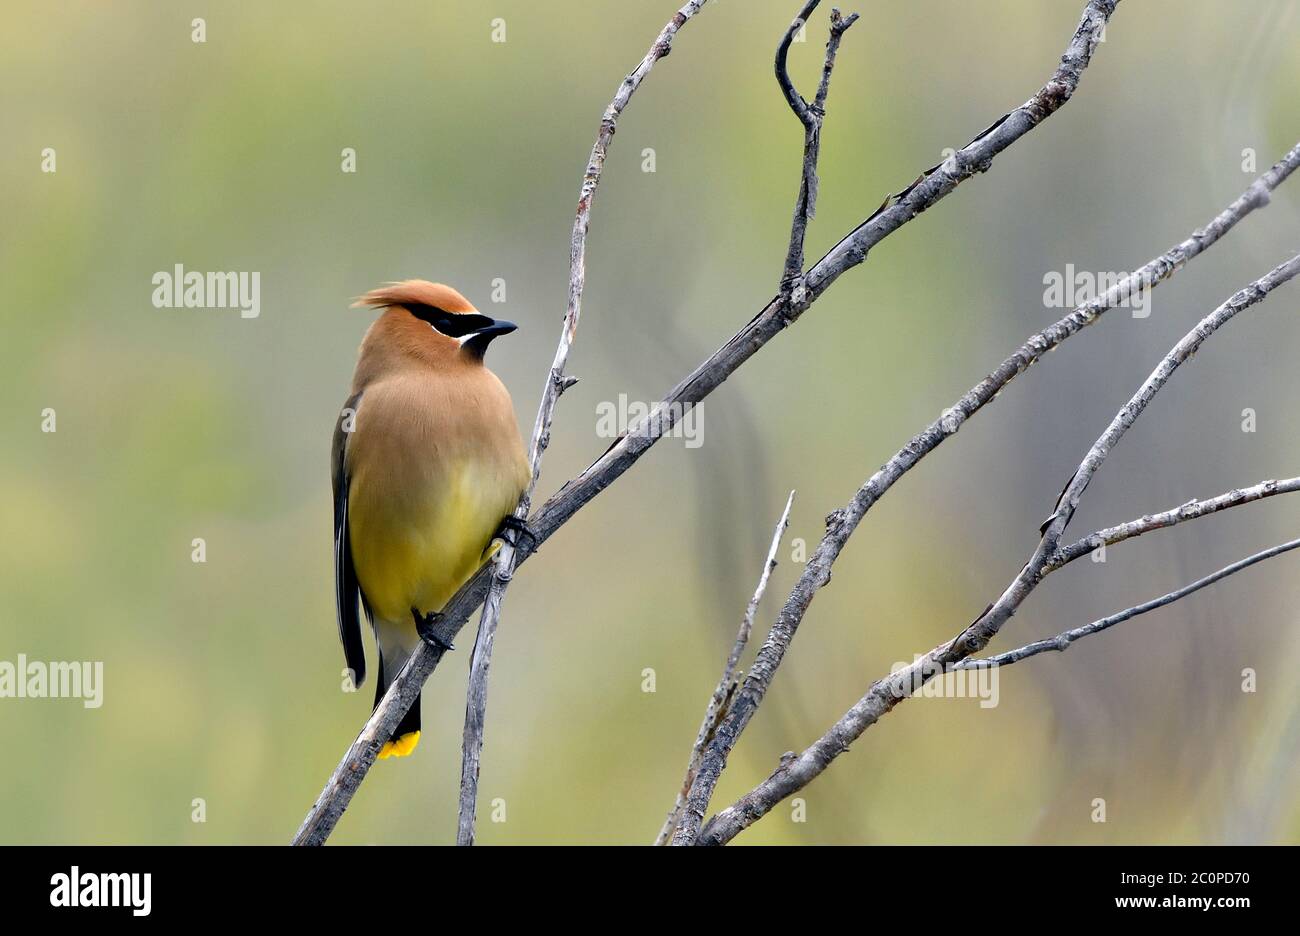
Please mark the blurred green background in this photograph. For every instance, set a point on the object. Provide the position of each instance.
(222, 679)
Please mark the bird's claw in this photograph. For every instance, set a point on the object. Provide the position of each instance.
(512, 528)
(425, 627)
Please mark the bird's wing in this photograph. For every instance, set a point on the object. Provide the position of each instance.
(347, 589)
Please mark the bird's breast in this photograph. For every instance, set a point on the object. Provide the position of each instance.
(433, 467)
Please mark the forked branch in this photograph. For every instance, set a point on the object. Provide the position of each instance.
(811, 116)
(720, 701)
(1061, 642)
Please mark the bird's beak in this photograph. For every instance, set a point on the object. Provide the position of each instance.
(496, 329)
(478, 341)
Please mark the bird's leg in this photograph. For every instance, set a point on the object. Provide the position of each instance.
(512, 528)
(424, 626)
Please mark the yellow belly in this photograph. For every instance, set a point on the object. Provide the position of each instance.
(417, 549)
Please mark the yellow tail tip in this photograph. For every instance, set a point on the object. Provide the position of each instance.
(401, 747)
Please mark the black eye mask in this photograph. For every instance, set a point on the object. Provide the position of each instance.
(451, 324)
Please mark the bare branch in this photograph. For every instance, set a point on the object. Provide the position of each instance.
(839, 25)
(1188, 511)
(976, 156)
(885, 693)
(722, 695)
(476, 697)
(1061, 642)
(929, 187)
(1035, 347)
(792, 97)
(1055, 525)
(1151, 274)
(977, 635)
(1148, 276)
(811, 116)
(797, 772)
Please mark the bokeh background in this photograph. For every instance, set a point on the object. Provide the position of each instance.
(222, 679)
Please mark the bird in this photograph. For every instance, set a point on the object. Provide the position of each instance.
(427, 469)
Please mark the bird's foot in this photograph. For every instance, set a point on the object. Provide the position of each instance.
(512, 529)
(425, 626)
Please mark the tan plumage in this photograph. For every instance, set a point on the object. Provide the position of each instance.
(431, 466)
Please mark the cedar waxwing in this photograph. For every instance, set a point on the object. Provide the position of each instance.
(428, 465)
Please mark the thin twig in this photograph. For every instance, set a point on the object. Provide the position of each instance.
(722, 695)
(1189, 511)
(811, 116)
(792, 97)
(476, 698)
(774, 318)
(556, 384)
(929, 187)
(796, 772)
(1062, 641)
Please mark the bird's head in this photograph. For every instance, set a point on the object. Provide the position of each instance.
(433, 322)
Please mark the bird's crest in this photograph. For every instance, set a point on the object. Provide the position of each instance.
(416, 292)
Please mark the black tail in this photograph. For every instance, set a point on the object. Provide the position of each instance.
(411, 720)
